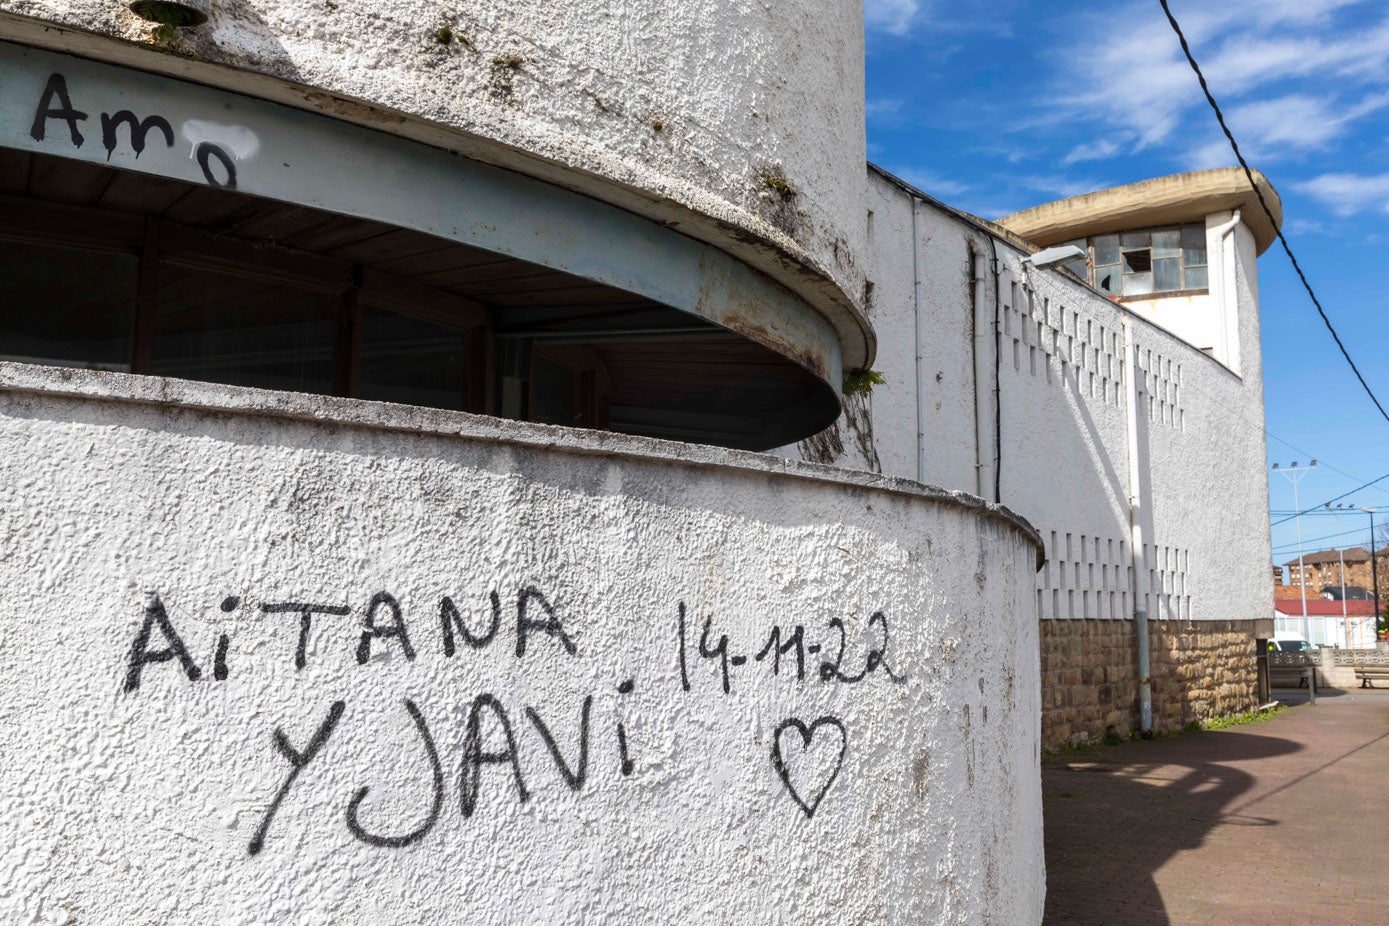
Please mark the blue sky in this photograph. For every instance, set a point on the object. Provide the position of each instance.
(995, 107)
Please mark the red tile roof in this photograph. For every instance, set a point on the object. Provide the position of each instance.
(1321, 607)
(1353, 555)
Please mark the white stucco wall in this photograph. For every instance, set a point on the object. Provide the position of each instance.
(135, 793)
(1212, 321)
(692, 113)
(1064, 421)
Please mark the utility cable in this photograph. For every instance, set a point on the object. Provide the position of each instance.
(1330, 500)
(1248, 173)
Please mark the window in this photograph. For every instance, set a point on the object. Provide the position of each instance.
(1145, 261)
(67, 306)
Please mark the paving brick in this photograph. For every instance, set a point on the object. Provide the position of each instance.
(1263, 824)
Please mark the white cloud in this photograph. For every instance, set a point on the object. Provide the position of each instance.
(1292, 124)
(1303, 227)
(891, 16)
(1060, 186)
(928, 182)
(1136, 87)
(1347, 194)
(884, 111)
(1092, 151)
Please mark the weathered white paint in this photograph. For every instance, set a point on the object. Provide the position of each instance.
(679, 111)
(1209, 321)
(139, 806)
(1065, 446)
(320, 162)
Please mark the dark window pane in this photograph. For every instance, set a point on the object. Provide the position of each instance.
(411, 361)
(1138, 261)
(1196, 278)
(553, 393)
(243, 331)
(1193, 245)
(66, 307)
(1136, 239)
(1166, 241)
(1167, 275)
(1106, 250)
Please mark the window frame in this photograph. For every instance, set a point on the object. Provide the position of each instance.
(156, 243)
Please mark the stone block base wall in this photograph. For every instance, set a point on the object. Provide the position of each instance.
(1199, 670)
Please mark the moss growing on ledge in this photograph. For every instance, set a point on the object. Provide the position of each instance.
(861, 382)
(779, 186)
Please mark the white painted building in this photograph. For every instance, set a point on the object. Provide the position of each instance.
(1012, 383)
(356, 584)
(377, 393)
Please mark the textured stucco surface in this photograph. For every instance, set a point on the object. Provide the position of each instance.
(138, 806)
(742, 123)
(1062, 373)
(1064, 441)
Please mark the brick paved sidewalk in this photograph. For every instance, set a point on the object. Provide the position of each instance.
(1271, 823)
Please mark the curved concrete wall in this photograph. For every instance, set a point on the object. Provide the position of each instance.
(741, 122)
(352, 766)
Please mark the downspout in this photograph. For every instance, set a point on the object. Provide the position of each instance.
(985, 473)
(1228, 295)
(998, 371)
(1136, 512)
(916, 307)
(976, 384)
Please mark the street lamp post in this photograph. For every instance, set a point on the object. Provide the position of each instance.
(1296, 474)
(1374, 564)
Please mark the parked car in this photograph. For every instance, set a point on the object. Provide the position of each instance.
(1284, 642)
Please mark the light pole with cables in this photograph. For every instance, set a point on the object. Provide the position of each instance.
(1374, 564)
(1341, 551)
(1296, 474)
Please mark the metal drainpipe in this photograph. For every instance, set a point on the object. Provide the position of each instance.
(1228, 291)
(998, 370)
(978, 379)
(986, 476)
(1140, 612)
(916, 307)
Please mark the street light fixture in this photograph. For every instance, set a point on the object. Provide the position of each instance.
(1374, 563)
(1296, 474)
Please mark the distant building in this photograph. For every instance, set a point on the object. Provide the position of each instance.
(1347, 624)
(1323, 569)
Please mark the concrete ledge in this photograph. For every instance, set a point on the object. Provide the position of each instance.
(358, 413)
(1161, 201)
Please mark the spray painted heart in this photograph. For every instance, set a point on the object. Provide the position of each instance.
(816, 765)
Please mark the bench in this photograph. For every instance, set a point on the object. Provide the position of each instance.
(1278, 675)
(1367, 674)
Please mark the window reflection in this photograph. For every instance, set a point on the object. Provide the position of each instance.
(67, 307)
(1146, 261)
(411, 361)
(243, 331)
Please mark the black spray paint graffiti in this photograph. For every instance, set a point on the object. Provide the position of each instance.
(831, 669)
(828, 767)
(807, 766)
(478, 755)
(535, 616)
(55, 103)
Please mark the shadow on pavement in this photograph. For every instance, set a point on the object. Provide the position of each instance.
(1114, 815)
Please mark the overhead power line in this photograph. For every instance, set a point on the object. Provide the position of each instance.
(1248, 173)
(1331, 500)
